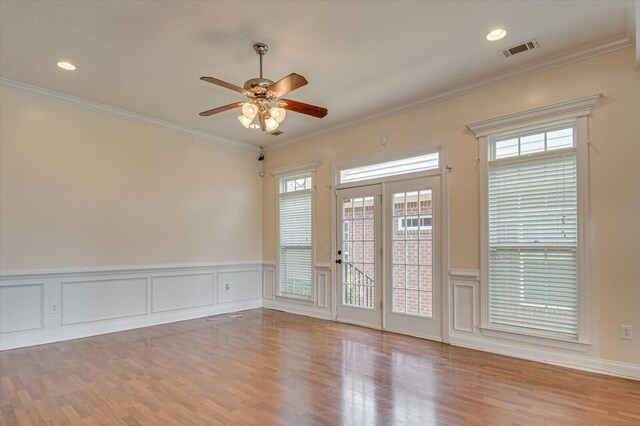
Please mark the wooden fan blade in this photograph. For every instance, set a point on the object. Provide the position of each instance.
(223, 84)
(221, 109)
(302, 108)
(290, 83)
(263, 124)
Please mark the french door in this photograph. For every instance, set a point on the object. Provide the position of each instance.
(359, 266)
(388, 256)
(413, 273)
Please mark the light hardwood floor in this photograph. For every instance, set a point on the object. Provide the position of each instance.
(277, 368)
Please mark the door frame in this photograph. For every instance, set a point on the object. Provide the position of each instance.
(443, 170)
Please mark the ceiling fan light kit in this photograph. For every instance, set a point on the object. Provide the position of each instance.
(264, 110)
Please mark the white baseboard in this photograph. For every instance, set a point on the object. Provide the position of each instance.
(361, 324)
(578, 362)
(419, 336)
(78, 331)
(296, 308)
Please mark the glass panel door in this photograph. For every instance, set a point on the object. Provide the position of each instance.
(413, 254)
(358, 257)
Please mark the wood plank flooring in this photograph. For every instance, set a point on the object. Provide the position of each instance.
(277, 368)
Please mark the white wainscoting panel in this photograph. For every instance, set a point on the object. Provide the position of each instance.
(268, 282)
(181, 291)
(234, 286)
(21, 307)
(323, 285)
(464, 305)
(94, 300)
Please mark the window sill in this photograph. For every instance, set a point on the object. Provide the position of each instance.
(572, 345)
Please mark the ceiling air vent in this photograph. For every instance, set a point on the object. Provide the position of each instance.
(277, 133)
(527, 45)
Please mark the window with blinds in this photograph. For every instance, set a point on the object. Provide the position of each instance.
(295, 237)
(533, 233)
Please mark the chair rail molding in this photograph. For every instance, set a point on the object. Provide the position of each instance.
(464, 274)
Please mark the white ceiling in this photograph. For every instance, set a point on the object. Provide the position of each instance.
(361, 58)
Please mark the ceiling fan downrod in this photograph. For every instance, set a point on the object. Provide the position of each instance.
(258, 84)
(261, 49)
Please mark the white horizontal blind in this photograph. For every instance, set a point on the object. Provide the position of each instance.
(295, 239)
(533, 244)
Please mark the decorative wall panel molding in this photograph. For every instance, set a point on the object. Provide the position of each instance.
(268, 282)
(21, 307)
(323, 286)
(464, 305)
(95, 300)
(171, 292)
(80, 303)
(239, 285)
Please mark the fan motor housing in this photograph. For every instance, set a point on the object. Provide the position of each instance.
(257, 82)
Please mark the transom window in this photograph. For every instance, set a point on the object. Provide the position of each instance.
(390, 168)
(298, 183)
(535, 141)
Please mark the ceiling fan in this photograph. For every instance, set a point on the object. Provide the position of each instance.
(264, 109)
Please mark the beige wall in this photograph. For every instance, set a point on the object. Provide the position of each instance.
(81, 189)
(614, 177)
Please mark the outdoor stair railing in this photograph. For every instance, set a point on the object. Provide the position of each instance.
(359, 288)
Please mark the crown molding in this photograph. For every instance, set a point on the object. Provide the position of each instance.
(107, 109)
(575, 108)
(554, 62)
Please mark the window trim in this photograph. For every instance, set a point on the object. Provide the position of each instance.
(281, 174)
(578, 111)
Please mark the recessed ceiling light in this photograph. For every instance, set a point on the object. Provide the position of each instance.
(66, 66)
(496, 34)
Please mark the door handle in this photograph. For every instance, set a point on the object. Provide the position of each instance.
(339, 261)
